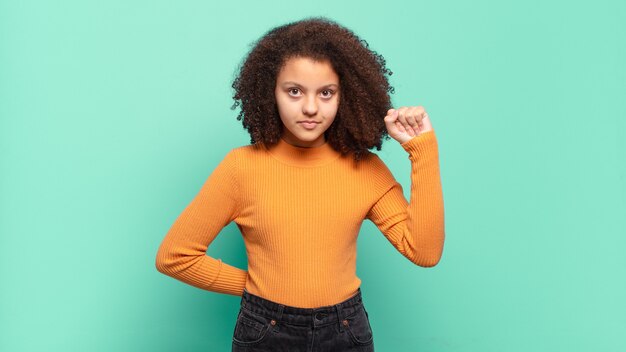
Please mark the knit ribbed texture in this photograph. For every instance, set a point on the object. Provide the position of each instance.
(299, 211)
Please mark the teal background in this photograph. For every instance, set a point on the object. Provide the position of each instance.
(112, 115)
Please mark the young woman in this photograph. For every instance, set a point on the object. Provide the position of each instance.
(314, 99)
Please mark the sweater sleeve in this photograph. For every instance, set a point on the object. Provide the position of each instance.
(182, 254)
(415, 229)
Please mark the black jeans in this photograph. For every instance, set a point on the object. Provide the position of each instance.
(263, 325)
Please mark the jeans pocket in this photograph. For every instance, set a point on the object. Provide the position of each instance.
(359, 327)
(250, 328)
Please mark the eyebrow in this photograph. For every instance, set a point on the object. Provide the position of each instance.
(291, 83)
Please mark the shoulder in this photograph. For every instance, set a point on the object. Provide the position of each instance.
(374, 170)
(373, 162)
(245, 152)
(249, 149)
(238, 157)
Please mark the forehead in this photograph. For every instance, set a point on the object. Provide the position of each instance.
(304, 70)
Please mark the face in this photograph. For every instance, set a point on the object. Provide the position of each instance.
(307, 95)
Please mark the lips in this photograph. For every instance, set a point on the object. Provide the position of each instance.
(308, 124)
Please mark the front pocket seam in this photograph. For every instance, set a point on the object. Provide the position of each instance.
(262, 328)
(252, 323)
(249, 343)
(353, 335)
(356, 340)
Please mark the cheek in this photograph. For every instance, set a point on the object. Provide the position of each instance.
(330, 110)
(285, 108)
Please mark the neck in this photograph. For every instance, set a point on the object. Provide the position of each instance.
(302, 156)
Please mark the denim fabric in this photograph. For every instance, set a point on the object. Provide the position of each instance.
(263, 325)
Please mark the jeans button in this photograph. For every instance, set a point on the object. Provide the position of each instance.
(320, 316)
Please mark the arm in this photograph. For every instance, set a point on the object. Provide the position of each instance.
(415, 229)
(182, 254)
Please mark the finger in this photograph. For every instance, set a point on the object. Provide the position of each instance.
(400, 127)
(408, 130)
(426, 123)
(411, 118)
(410, 121)
(418, 112)
(390, 120)
(420, 122)
(402, 116)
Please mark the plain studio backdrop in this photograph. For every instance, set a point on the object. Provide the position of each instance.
(112, 115)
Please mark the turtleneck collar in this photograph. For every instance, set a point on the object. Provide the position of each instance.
(303, 156)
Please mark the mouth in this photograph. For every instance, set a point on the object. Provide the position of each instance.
(309, 124)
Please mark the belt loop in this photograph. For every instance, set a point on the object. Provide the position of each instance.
(279, 311)
(339, 316)
(277, 315)
(244, 298)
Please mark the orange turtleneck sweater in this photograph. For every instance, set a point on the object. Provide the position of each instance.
(299, 211)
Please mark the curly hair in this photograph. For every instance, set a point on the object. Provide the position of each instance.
(358, 124)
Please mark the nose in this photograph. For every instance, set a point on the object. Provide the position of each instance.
(310, 106)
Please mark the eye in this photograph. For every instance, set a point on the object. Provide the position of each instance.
(293, 91)
(327, 93)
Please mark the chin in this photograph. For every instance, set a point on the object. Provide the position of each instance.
(308, 138)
